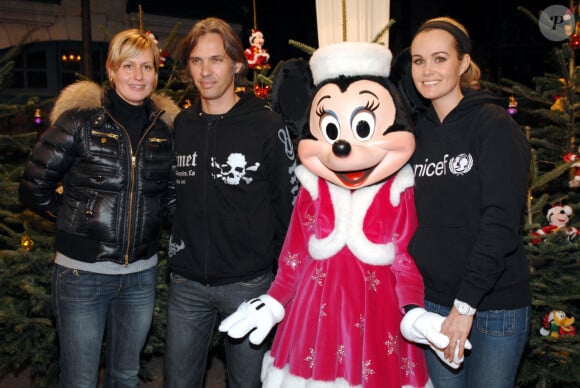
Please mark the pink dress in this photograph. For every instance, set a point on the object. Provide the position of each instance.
(344, 276)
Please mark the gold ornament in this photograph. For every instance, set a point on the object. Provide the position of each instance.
(26, 243)
(559, 104)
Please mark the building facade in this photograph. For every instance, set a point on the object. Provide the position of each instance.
(49, 38)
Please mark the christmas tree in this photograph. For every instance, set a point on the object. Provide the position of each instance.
(26, 324)
(548, 112)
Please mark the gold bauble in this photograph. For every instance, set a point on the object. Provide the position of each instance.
(26, 243)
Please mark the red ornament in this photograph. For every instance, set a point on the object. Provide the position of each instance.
(575, 41)
(261, 91)
(163, 55)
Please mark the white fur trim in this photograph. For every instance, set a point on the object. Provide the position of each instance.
(322, 249)
(350, 59)
(308, 180)
(403, 180)
(359, 244)
(350, 209)
(273, 377)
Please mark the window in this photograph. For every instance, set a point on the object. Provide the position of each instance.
(35, 76)
(70, 64)
(42, 69)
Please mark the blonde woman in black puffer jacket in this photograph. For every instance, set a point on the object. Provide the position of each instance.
(111, 150)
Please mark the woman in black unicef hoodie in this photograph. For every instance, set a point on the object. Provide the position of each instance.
(471, 165)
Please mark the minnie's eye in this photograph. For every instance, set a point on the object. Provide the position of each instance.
(363, 125)
(329, 127)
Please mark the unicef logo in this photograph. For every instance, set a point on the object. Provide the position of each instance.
(461, 164)
(557, 23)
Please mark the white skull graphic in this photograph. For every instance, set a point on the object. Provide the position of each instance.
(234, 170)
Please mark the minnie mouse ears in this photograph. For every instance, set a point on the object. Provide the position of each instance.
(350, 59)
(297, 79)
(291, 93)
(401, 76)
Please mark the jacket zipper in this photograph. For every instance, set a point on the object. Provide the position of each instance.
(133, 168)
(131, 196)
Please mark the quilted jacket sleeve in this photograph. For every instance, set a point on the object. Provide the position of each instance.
(49, 160)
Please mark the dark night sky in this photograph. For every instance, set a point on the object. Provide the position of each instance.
(279, 20)
(506, 42)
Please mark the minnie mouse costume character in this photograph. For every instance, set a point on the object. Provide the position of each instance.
(347, 294)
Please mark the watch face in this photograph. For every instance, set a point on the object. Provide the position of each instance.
(462, 307)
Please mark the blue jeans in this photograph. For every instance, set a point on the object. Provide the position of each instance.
(498, 338)
(193, 311)
(87, 305)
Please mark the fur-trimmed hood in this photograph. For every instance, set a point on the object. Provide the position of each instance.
(89, 95)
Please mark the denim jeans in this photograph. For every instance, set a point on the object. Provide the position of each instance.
(87, 305)
(498, 338)
(193, 312)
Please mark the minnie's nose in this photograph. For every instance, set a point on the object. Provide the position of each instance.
(341, 148)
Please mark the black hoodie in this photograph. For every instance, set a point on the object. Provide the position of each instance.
(234, 192)
(471, 181)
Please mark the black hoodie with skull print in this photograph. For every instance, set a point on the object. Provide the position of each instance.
(235, 191)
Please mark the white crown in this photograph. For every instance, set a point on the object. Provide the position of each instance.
(350, 59)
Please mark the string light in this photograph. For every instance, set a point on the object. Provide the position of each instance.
(70, 57)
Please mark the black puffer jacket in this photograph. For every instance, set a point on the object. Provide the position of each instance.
(113, 202)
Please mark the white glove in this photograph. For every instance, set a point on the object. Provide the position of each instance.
(456, 363)
(261, 314)
(424, 327)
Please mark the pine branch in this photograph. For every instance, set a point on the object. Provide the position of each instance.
(301, 46)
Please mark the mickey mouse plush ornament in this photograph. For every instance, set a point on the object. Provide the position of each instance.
(559, 217)
(347, 294)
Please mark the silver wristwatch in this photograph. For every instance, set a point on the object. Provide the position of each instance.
(463, 308)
